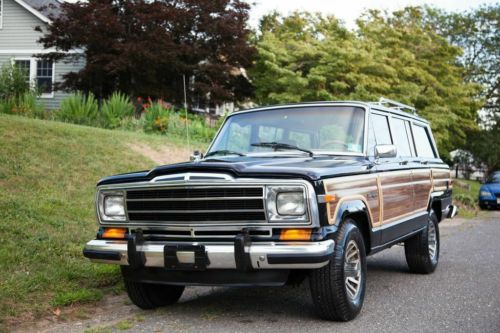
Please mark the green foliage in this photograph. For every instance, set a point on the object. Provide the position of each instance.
(305, 57)
(156, 118)
(77, 296)
(484, 145)
(79, 109)
(25, 104)
(159, 119)
(45, 220)
(13, 83)
(115, 109)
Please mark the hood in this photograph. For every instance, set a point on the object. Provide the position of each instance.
(491, 187)
(309, 168)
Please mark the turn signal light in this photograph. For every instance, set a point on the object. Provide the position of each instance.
(295, 234)
(118, 233)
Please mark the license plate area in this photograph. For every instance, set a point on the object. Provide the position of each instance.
(195, 255)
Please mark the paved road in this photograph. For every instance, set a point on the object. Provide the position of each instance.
(463, 295)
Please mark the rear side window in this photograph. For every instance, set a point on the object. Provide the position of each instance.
(422, 142)
(401, 137)
(381, 129)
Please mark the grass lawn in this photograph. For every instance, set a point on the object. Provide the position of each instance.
(48, 172)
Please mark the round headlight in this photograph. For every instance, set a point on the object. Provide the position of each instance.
(290, 203)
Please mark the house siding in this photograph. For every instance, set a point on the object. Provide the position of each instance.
(18, 39)
(18, 30)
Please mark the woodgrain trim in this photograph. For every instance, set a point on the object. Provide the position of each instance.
(370, 190)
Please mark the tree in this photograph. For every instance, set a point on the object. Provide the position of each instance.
(143, 48)
(400, 56)
(476, 33)
(484, 145)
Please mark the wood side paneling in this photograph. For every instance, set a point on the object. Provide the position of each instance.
(422, 185)
(397, 194)
(355, 188)
(388, 195)
(441, 179)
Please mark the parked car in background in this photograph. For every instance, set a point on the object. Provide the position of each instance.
(489, 193)
(284, 193)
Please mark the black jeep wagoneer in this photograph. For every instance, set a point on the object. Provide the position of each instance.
(283, 193)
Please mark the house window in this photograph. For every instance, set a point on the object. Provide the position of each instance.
(39, 74)
(23, 66)
(44, 75)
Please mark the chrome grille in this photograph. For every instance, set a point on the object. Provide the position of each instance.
(196, 204)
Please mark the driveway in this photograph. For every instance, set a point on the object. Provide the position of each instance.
(463, 295)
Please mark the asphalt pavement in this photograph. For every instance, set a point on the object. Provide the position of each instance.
(462, 295)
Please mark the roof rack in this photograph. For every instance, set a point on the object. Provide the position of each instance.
(395, 105)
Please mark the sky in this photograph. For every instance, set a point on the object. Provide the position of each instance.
(349, 10)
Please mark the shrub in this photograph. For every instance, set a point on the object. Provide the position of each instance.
(466, 200)
(115, 109)
(13, 82)
(156, 118)
(79, 109)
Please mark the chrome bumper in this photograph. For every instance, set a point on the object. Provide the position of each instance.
(269, 255)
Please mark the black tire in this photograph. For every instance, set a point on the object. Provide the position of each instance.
(150, 296)
(329, 289)
(419, 255)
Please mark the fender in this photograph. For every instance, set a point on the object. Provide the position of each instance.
(351, 207)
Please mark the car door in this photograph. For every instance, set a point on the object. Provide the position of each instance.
(395, 176)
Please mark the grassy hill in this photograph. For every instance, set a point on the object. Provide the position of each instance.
(48, 172)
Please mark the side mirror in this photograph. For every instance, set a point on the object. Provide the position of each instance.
(196, 156)
(385, 151)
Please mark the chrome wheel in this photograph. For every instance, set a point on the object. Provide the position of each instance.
(432, 241)
(352, 270)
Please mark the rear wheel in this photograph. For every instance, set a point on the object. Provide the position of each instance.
(150, 296)
(422, 250)
(338, 289)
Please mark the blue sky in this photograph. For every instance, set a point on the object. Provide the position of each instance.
(349, 10)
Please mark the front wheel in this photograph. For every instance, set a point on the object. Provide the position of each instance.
(422, 250)
(338, 289)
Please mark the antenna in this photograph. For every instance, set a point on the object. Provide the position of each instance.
(186, 111)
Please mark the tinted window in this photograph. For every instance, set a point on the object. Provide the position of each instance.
(381, 129)
(400, 137)
(422, 142)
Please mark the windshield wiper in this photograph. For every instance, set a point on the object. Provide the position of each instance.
(224, 152)
(280, 146)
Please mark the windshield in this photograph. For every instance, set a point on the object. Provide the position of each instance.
(495, 178)
(325, 129)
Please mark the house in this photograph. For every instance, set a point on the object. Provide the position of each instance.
(19, 45)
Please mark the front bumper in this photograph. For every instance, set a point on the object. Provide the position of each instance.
(240, 256)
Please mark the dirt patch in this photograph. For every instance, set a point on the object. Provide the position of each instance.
(164, 155)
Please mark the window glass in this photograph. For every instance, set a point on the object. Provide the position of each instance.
(400, 137)
(238, 138)
(1, 14)
(300, 139)
(381, 129)
(44, 76)
(410, 138)
(24, 66)
(334, 129)
(422, 142)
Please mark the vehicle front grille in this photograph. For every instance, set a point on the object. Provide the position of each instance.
(178, 205)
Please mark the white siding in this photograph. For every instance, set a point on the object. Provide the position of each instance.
(18, 28)
(18, 39)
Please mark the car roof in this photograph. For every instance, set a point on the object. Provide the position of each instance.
(367, 105)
